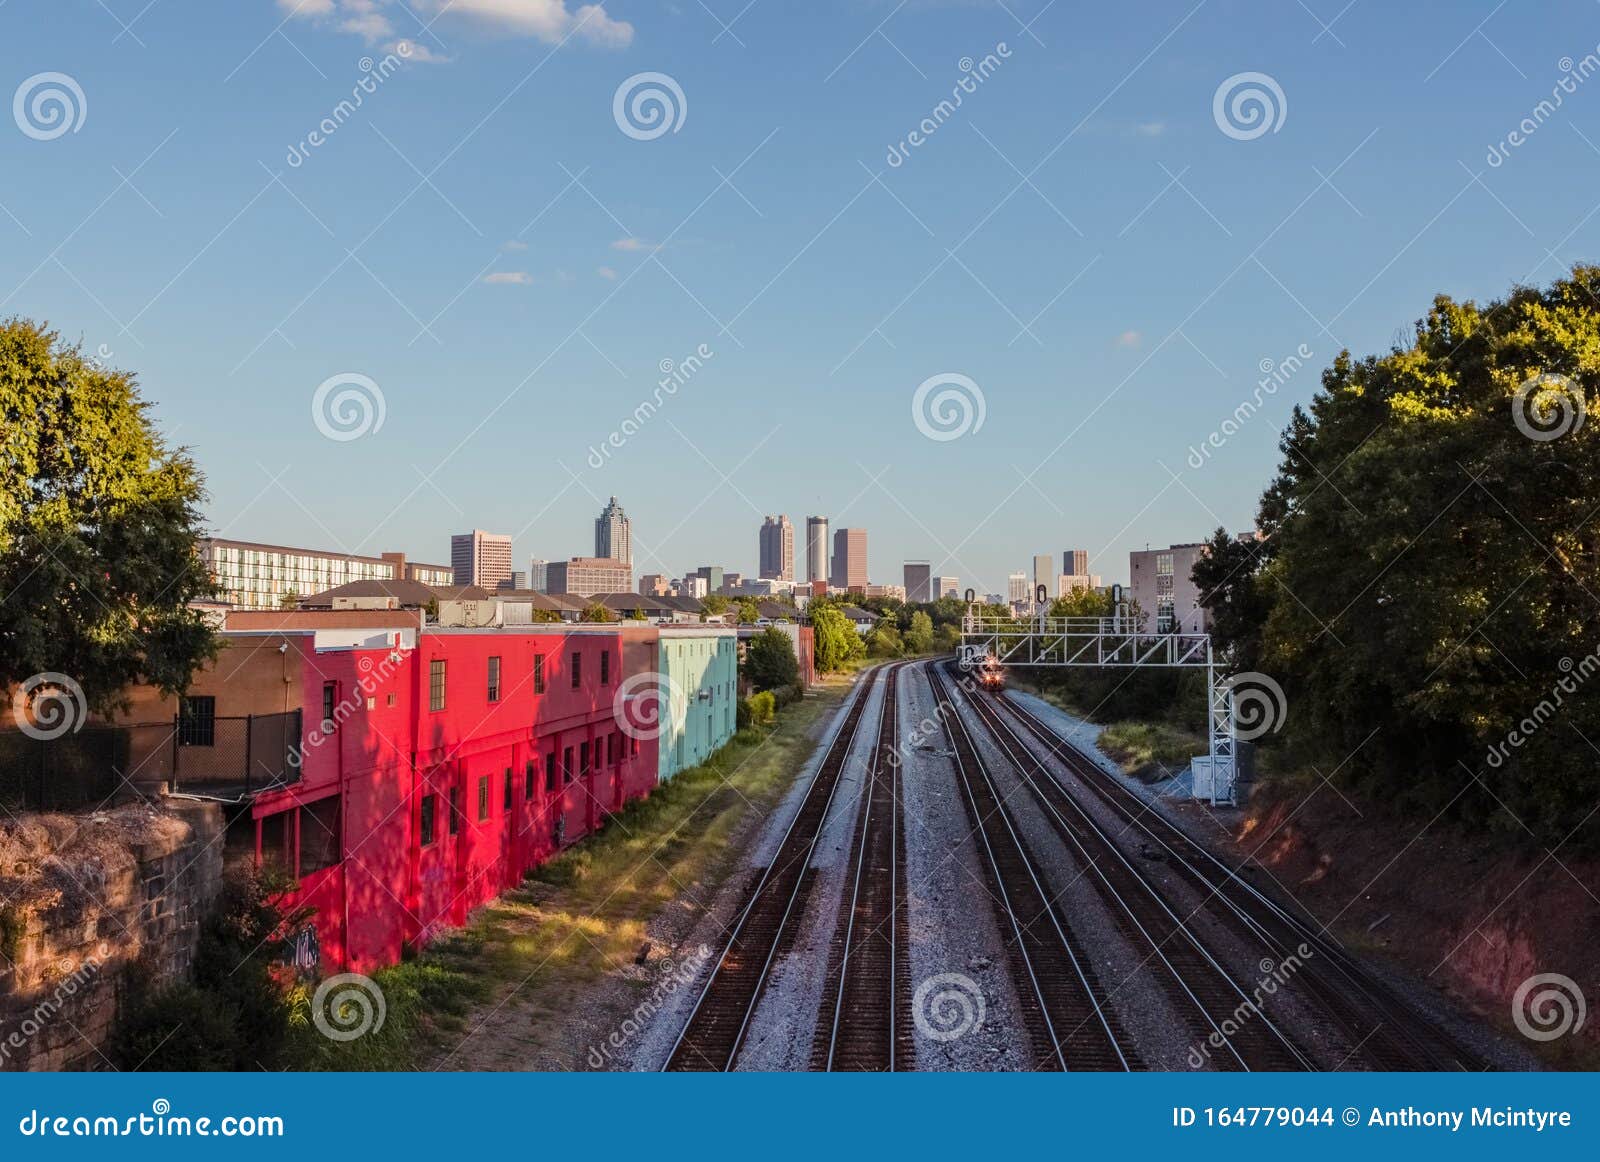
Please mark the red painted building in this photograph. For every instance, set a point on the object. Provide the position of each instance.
(437, 768)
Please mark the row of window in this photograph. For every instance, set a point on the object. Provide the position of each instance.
(437, 671)
(615, 749)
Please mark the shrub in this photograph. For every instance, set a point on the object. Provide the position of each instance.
(763, 707)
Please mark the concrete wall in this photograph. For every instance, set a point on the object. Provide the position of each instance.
(85, 897)
(700, 668)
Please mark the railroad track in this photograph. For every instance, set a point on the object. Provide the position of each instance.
(1389, 1033)
(864, 1023)
(715, 1031)
(1063, 1003)
(1210, 1000)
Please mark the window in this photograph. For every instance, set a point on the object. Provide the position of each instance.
(390, 701)
(436, 684)
(527, 781)
(455, 810)
(538, 673)
(605, 667)
(510, 791)
(483, 797)
(429, 805)
(276, 840)
(577, 669)
(611, 750)
(197, 721)
(550, 771)
(330, 698)
(583, 760)
(494, 679)
(566, 765)
(1164, 584)
(1163, 564)
(319, 835)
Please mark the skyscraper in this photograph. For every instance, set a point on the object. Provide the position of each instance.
(816, 548)
(538, 576)
(777, 548)
(850, 559)
(1075, 562)
(1044, 573)
(1017, 589)
(918, 578)
(613, 534)
(480, 558)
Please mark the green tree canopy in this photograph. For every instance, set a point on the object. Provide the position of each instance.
(835, 639)
(594, 611)
(99, 527)
(919, 637)
(770, 662)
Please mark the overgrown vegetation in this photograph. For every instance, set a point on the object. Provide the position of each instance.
(1151, 751)
(1424, 592)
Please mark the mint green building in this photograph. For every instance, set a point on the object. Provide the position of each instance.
(700, 671)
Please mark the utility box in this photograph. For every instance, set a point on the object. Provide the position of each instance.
(1213, 780)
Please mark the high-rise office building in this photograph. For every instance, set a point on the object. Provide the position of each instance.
(849, 559)
(1075, 562)
(816, 548)
(613, 534)
(919, 578)
(777, 548)
(1017, 589)
(946, 586)
(1044, 573)
(480, 558)
(538, 573)
(585, 576)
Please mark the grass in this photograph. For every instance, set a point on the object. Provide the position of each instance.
(1150, 751)
(586, 913)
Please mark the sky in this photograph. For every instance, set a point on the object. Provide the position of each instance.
(1014, 325)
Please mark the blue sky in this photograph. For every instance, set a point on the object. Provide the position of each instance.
(484, 243)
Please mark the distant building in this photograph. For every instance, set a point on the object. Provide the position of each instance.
(1159, 582)
(250, 575)
(1017, 589)
(584, 576)
(919, 581)
(405, 570)
(1044, 572)
(1067, 582)
(946, 586)
(518, 581)
(613, 534)
(1075, 562)
(777, 548)
(896, 591)
(480, 558)
(849, 559)
(816, 548)
(655, 585)
(538, 574)
(731, 583)
(712, 576)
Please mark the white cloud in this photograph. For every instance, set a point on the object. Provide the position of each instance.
(508, 278)
(606, 273)
(634, 244)
(514, 244)
(1150, 128)
(1129, 339)
(549, 21)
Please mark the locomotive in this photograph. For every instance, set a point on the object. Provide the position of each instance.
(991, 674)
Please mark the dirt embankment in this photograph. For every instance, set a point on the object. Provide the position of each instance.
(1472, 917)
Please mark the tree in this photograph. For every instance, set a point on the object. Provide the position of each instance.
(99, 528)
(714, 603)
(946, 639)
(1426, 589)
(919, 638)
(594, 611)
(835, 640)
(770, 662)
(1228, 576)
(884, 640)
(749, 611)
